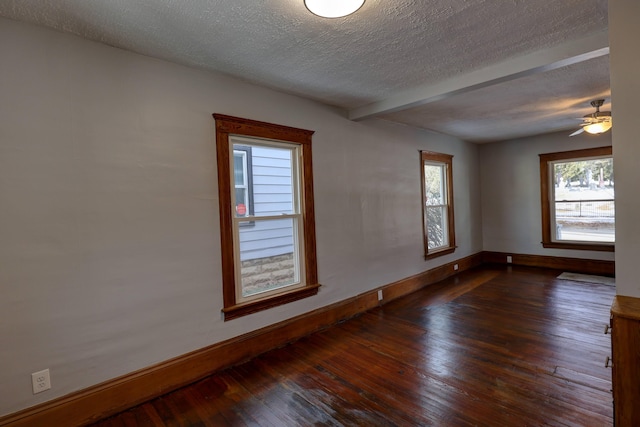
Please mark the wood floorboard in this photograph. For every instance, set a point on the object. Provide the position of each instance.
(483, 375)
(493, 346)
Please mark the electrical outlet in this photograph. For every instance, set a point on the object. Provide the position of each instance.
(455, 266)
(379, 294)
(40, 381)
(509, 259)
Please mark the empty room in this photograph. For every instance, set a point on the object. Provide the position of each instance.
(319, 212)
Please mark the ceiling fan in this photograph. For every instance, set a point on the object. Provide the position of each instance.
(598, 122)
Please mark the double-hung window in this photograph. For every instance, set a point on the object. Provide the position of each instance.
(267, 225)
(577, 199)
(437, 204)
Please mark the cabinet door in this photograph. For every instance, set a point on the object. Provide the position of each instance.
(625, 347)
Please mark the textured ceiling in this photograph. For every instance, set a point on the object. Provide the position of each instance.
(387, 47)
(535, 104)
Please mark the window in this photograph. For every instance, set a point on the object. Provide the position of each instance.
(577, 198)
(267, 226)
(437, 204)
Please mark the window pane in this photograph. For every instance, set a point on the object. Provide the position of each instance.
(584, 180)
(273, 171)
(434, 184)
(267, 254)
(583, 220)
(584, 200)
(437, 233)
(238, 169)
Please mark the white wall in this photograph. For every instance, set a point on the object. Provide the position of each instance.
(624, 34)
(109, 248)
(510, 181)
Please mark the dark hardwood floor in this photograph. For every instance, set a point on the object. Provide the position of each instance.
(495, 346)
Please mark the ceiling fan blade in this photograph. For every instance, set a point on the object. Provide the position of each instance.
(579, 131)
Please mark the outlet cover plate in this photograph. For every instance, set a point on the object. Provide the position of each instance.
(40, 381)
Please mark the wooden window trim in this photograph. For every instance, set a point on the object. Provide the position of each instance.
(225, 127)
(545, 202)
(448, 160)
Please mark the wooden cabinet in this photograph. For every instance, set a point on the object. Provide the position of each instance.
(625, 348)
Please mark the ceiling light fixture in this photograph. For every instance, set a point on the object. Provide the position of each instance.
(333, 8)
(598, 127)
(596, 123)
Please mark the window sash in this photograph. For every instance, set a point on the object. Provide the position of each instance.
(442, 182)
(582, 209)
(441, 238)
(296, 216)
(295, 162)
(552, 229)
(556, 228)
(298, 268)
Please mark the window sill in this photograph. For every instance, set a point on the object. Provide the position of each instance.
(440, 252)
(244, 309)
(580, 246)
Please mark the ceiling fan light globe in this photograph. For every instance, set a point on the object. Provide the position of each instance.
(333, 8)
(596, 128)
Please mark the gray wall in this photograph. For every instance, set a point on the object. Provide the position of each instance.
(510, 181)
(110, 245)
(624, 34)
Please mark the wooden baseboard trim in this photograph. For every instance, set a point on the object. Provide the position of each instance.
(576, 265)
(100, 401)
(411, 284)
